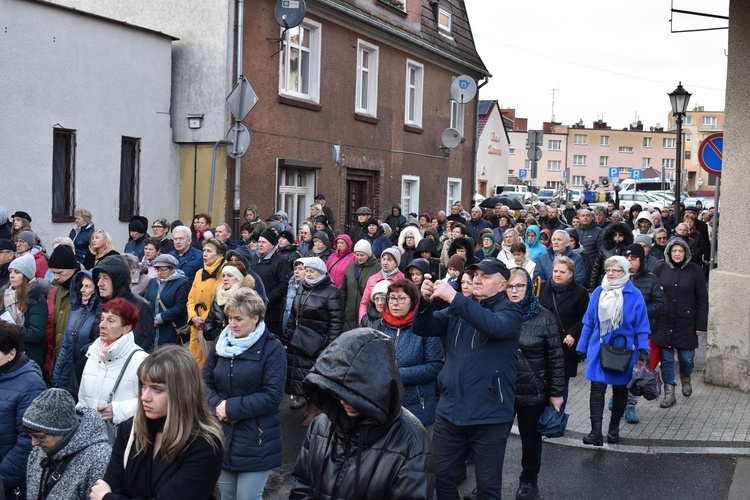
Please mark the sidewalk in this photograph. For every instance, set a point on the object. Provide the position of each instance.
(714, 420)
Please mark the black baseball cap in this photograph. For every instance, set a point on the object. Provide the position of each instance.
(491, 266)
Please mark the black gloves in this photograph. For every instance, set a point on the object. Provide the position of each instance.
(643, 356)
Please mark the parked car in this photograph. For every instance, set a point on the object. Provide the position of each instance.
(546, 195)
(627, 200)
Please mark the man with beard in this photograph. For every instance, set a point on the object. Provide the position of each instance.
(553, 220)
(455, 215)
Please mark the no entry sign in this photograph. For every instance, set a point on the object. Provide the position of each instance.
(711, 153)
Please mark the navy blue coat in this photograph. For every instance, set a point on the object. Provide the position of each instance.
(545, 263)
(81, 240)
(136, 246)
(18, 388)
(174, 295)
(190, 262)
(252, 384)
(379, 242)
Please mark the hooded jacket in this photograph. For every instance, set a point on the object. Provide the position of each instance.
(397, 222)
(168, 299)
(35, 317)
(290, 253)
(322, 236)
(644, 215)
(383, 453)
(378, 242)
(469, 244)
(536, 249)
(427, 245)
(687, 301)
(408, 254)
(353, 288)
(340, 260)
(609, 249)
(118, 270)
(90, 452)
(630, 221)
(258, 225)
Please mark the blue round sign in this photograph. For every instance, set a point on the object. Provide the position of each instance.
(711, 153)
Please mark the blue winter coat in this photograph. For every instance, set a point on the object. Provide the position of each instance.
(635, 327)
(18, 388)
(252, 384)
(419, 360)
(135, 247)
(78, 334)
(190, 262)
(81, 240)
(478, 382)
(379, 242)
(174, 294)
(546, 263)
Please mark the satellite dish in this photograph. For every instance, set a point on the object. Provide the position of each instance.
(463, 89)
(580, 122)
(451, 138)
(651, 129)
(634, 124)
(289, 13)
(658, 125)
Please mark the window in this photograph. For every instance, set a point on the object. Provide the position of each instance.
(444, 20)
(457, 116)
(687, 154)
(528, 164)
(646, 142)
(409, 194)
(511, 173)
(453, 192)
(63, 174)
(688, 120)
(414, 77)
(553, 185)
(367, 79)
(709, 120)
(398, 4)
(646, 162)
(667, 163)
(130, 154)
(604, 161)
(299, 72)
(688, 137)
(625, 170)
(554, 165)
(296, 190)
(604, 140)
(625, 149)
(579, 139)
(554, 145)
(579, 159)
(578, 180)
(511, 151)
(668, 142)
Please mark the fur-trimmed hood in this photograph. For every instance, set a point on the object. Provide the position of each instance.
(402, 237)
(676, 240)
(608, 235)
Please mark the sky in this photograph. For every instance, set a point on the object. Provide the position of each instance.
(606, 60)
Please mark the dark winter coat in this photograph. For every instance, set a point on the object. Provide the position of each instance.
(653, 295)
(90, 262)
(397, 222)
(318, 307)
(590, 238)
(90, 450)
(469, 244)
(687, 301)
(259, 287)
(19, 386)
(119, 272)
(79, 334)
(545, 264)
(478, 382)
(135, 247)
(540, 367)
(173, 293)
(419, 361)
(290, 253)
(274, 272)
(379, 242)
(609, 249)
(383, 453)
(190, 262)
(252, 384)
(81, 240)
(571, 306)
(217, 320)
(322, 236)
(34, 326)
(474, 227)
(357, 232)
(353, 288)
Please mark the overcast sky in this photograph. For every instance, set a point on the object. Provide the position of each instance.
(609, 60)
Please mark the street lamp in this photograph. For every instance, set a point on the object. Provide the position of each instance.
(679, 99)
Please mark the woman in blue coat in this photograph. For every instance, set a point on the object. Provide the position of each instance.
(419, 359)
(168, 295)
(616, 309)
(245, 374)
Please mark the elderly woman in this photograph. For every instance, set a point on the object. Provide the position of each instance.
(305, 238)
(539, 373)
(245, 375)
(321, 246)
(109, 382)
(233, 279)
(202, 294)
(26, 245)
(408, 240)
(617, 315)
(167, 295)
(340, 260)
(81, 233)
(376, 306)
(317, 309)
(485, 248)
(99, 248)
(146, 270)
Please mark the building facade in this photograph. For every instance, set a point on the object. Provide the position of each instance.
(493, 149)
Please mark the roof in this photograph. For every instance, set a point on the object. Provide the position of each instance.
(483, 110)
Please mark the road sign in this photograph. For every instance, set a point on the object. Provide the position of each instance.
(711, 152)
(522, 173)
(636, 174)
(565, 175)
(614, 172)
(239, 140)
(241, 99)
(534, 154)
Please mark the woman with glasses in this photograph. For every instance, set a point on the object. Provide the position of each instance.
(419, 359)
(167, 295)
(616, 315)
(661, 237)
(160, 228)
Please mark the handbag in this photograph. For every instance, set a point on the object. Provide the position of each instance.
(552, 423)
(183, 332)
(307, 340)
(615, 358)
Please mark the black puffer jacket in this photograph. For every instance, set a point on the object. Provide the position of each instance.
(216, 320)
(653, 295)
(318, 307)
(687, 301)
(290, 253)
(540, 369)
(383, 453)
(609, 249)
(571, 306)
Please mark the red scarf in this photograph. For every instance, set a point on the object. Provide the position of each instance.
(398, 323)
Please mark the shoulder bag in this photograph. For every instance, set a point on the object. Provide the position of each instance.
(111, 427)
(305, 339)
(615, 358)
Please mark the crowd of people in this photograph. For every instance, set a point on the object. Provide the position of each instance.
(159, 369)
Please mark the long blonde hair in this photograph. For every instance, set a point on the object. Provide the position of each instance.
(188, 415)
(108, 246)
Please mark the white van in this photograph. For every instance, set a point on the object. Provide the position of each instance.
(632, 186)
(510, 188)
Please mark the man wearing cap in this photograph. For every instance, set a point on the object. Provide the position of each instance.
(70, 451)
(63, 265)
(7, 253)
(224, 233)
(274, 271)
(168, 296)
(477, 383)
(359, 230)
(353, 286)
(189, 257)
(138, 234)
(321, 199)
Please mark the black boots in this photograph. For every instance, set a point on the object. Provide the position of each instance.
(527, 491)
(596, 405)
(613, 435)
(595, 436)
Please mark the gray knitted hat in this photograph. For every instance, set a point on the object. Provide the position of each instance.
(52, 412)
(28, 237)
(644, 238)
(25, 265)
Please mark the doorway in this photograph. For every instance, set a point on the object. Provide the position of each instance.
(361, 190)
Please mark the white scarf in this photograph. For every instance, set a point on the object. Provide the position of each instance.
(223, 295)
(610, 304)
(228, 346)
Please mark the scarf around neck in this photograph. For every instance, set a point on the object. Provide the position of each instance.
(229, 346)
(9, 300)
(223, 295)
(398, 323)
(610, 304)
(529, 305)
(561, 287)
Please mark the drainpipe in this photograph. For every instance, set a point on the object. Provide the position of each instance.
(238, 161)
(476, 143)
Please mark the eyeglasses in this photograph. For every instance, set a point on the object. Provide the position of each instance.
(397, 300)
(156, 226)
(661, 238)
(379, 298)
(517, 288)
(614, 270)
(632, 257)
(40, 440)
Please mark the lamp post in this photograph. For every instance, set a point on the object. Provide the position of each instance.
(679, 99)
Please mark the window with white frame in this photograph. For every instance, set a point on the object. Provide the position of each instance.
(604, 161)
(553, 184)
(578, 180)
(554, 165)
(687, 154)
(296, 189)
(579, 159)
(367, 78)
(414, 90)
(668, 142)
(528, 164)
(444, 21)
(299, 64)
(457, 116)
(667, 163)
(625, 170)
(604, 140)
(409, 194)
(625, 149)
(688, 120)
(646, 162)
(554, 145)
(453, 193)
(579, 139)
(647, 142)
(511, 173)
(709, 120)
(688, 137)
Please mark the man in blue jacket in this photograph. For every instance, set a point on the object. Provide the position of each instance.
(478, 380)
(560, 246)
(190, 258)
